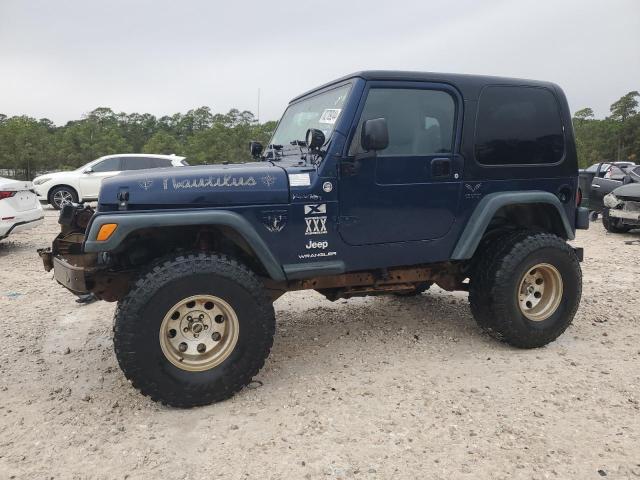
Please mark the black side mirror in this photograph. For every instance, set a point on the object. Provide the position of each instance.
(255, 148)
(314, 139)
(375, 135)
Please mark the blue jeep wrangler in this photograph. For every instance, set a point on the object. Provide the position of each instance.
(376, 183)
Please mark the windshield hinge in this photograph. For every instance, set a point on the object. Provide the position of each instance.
(123, 198)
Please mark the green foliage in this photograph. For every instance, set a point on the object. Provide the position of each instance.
(28, 146)
(614, 138)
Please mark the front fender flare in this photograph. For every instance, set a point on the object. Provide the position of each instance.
(130, 222)
(487, 208)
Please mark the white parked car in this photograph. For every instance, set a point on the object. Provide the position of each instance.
(83, 184)
(19, 207)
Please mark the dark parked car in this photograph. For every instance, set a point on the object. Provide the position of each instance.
(592, 198)
(621, 211)
(603, 185)
(376, 183)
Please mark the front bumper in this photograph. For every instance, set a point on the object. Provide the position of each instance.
(70, 276)
(41, 192)
(72, 272)
(625, 215)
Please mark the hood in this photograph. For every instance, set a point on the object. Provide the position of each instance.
(9, 185)
(55, 175)
(197, 187)
(630, 190)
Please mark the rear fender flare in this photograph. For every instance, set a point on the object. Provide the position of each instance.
(487, 208)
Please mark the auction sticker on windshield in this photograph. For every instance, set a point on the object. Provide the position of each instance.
(330, 115)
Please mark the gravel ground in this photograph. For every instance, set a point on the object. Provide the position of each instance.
(377, 387)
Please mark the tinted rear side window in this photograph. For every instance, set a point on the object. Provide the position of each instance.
(141, 163)
(518, 126)
(160, 162)
(136, 163)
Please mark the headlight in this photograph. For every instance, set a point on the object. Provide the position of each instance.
(40, 181)
(611, 201)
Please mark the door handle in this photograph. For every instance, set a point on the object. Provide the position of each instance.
(349, 167)
(440, 168)
(595, 186)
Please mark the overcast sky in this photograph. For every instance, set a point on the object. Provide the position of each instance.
(60, 59)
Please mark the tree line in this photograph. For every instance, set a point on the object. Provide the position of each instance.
(614, 138)
(29, 146)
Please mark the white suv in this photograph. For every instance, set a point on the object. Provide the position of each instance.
(83, 184)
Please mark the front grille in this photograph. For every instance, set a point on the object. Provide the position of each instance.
(630, 206)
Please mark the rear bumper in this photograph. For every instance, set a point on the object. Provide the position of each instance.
(21, 223)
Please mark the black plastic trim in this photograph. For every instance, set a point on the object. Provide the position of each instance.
(130, 222)
(489, 205)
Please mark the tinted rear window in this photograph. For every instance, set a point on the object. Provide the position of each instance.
(518, 126)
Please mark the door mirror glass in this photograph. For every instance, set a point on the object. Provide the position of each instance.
(375, 134)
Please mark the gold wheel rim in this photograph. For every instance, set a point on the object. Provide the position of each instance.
(540, 292)
(199, 333)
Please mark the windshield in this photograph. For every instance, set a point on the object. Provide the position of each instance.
(320, 111)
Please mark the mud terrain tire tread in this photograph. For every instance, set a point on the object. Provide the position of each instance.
(493, 287)
(489, 255)
(180, 388)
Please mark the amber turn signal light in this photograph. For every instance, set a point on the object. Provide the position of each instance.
(106, 231)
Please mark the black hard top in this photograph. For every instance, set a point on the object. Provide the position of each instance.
(469, 85)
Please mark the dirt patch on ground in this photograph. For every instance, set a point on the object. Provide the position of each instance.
(379, 387)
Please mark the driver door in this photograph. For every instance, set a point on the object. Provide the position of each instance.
(410, 190)
(92, 178)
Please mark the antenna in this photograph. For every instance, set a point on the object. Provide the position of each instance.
(258, 116)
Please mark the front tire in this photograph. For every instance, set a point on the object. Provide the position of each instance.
(60, 196)
(194, 330)
(526, 289)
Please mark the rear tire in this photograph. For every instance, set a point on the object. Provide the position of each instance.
(60, 196)
(526, 289)
(194, 330)
(613, 225)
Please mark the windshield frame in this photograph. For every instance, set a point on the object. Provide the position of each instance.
(308, 96)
